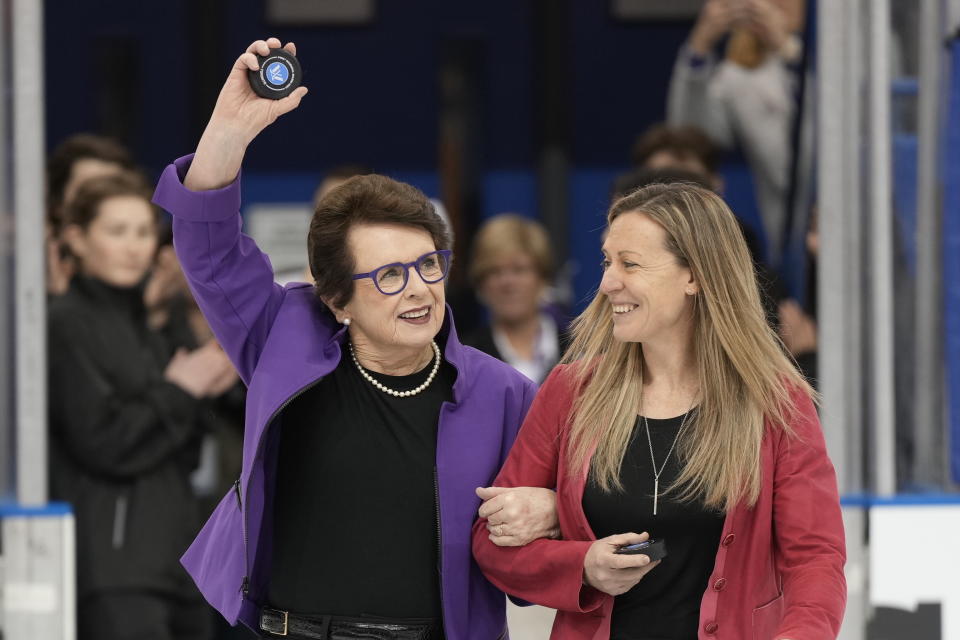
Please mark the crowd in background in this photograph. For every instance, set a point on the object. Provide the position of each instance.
(146, 411)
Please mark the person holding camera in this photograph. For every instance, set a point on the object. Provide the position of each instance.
(675, 416)
(747, 98)
(368, 423)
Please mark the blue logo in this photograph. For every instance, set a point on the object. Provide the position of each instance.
(277, 73)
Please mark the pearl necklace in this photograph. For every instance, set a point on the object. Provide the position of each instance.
(400, 394)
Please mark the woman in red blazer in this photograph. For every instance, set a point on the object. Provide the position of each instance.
(675, 415)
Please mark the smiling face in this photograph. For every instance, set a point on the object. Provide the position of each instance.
(648, 287)
(401, 323)
(118, 245)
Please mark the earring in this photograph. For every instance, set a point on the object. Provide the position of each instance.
(346, 322)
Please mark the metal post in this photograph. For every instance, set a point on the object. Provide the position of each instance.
(6, 280)
(29, 205)
(881, 253)
(928, 390)
(833, 293)
(854, 246)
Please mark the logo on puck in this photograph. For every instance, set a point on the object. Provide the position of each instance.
(277, 73)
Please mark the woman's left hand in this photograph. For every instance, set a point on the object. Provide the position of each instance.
(519, 515)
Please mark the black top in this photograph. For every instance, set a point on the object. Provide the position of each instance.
(355, 515)
(481, 338)
(123, 439)
(665, 604)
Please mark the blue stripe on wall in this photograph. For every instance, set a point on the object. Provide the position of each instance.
(951, 261)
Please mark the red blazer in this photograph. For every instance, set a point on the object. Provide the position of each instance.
(779, 567)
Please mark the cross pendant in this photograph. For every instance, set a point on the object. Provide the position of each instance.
(656, 494)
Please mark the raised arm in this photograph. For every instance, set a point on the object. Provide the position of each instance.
(229, 276)
(238, 117)
(691, 100)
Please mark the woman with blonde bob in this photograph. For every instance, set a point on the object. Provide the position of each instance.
(676, 416)
(511, 269)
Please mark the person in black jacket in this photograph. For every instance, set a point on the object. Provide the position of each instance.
(126, 419)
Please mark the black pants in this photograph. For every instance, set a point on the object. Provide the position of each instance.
(135, 615)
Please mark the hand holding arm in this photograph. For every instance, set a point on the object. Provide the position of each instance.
(517, 516)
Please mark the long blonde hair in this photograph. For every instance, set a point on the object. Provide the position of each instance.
(744, 373)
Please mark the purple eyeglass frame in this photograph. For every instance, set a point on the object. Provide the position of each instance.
(405, 266)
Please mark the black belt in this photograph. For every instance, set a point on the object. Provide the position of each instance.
(283, 623)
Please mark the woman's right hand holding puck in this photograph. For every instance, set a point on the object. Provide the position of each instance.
(613, 573)
(238, 117)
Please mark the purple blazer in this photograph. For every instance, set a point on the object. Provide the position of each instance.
(282, 340)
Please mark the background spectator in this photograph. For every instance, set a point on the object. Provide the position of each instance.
(683, 147)
(511, 268)
(747, 100)
(75, 160)
(125, 423)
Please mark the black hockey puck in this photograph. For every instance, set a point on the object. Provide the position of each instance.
(278, 76)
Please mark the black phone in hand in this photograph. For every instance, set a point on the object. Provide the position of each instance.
(653, 549)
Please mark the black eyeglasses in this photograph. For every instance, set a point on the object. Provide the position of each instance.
(391, 279)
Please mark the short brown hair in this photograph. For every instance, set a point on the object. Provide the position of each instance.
(682, 141)
(628, 182)
(508, 233)
(84, 208)
(368, 199)
(79, 147)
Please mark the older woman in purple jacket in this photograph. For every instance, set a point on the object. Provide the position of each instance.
(368, 424)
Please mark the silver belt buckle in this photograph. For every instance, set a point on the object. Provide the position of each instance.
(264, 622)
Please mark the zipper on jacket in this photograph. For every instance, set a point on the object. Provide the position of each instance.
(245, 584)
(120, 522)
(436, 499)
